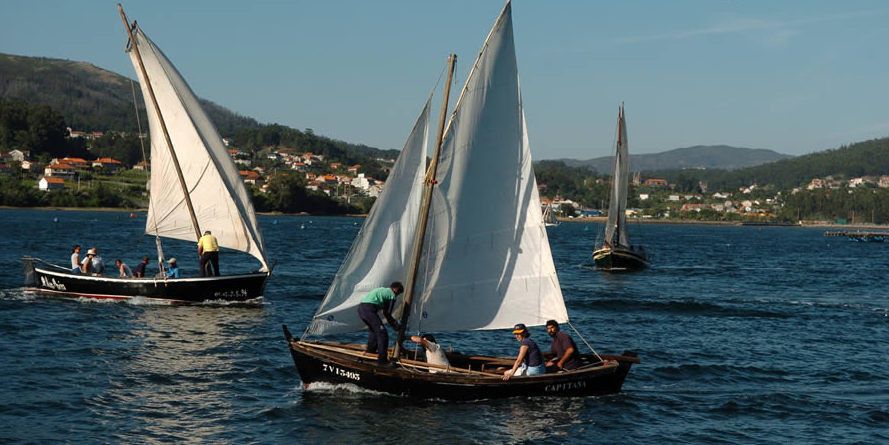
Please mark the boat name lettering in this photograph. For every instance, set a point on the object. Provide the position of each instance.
(231, 293)
(341, 372)
(567, 386)
(51, 283)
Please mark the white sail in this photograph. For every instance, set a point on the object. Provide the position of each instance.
(616, 228)
(486, 262)
(220, 200)
(381, 252)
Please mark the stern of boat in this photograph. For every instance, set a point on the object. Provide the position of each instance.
(30, 273)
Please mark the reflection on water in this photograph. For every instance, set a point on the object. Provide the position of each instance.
(177, 382)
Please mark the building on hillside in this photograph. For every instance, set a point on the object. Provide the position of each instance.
(48, 183)
(644, 196)
(673, 198)
(18, 155)
(362, 182)
(335, 165)
(689, 207)
(108, 164)
(251, 177)
(60, 170)
(142, 165)
(816, 183)
(354, 169)
(76, 163)
(883, 182)
(655, 182)
(28, 165)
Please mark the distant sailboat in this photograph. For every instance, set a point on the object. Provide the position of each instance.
(616, 252)
(469, 238)
(193, 184)
(549, 216)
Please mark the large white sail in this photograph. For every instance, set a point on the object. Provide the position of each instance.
(381, 252)
(616, 228)
(486, 262)
(220, 200)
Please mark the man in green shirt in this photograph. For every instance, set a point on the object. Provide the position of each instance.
(381, 298)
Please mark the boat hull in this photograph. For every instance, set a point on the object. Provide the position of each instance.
(617, 259)
(56, 280)
(329, 366)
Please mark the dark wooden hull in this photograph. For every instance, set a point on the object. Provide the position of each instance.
(344, 364)
(619, 258)
(56, 280)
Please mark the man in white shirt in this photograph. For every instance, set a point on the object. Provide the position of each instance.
(434, 353)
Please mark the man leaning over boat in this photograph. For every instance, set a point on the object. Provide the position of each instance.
(381, 298)
(208, 251)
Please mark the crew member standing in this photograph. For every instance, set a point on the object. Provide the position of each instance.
(208, 250)
(381, 298)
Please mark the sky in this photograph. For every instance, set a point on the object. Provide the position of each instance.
(792, 76)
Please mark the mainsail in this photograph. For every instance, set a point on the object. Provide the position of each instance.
(221, 202)
(486, 262)
(381, 252)
(616, 228)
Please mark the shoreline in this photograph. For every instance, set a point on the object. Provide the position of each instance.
(587, 219)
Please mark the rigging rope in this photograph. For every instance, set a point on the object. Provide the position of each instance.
(585, 342)
(157, 239)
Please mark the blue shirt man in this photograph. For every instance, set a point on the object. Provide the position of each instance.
(172, 269)
(381, 298)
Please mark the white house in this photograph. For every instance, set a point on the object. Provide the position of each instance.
(48, 183)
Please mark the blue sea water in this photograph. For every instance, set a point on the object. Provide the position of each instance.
(746, 334)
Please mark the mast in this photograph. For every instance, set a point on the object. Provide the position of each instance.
(423, 218)
(135, 47)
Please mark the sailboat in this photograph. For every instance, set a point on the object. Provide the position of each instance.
(469, 239)
(549, 216)
(616, 252)
(194, 185)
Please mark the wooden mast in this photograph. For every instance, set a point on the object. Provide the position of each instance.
(423, 217)
(135, 47)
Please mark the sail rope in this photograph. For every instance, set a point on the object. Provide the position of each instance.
(157, 238)
(580, 336)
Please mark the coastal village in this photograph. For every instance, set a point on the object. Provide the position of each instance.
(651, 198)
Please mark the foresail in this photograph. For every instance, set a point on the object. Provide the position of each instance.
(486, 262)
(221, 202)
(616, 228)
(381, 251)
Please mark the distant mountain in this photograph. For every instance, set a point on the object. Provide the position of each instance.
(88, 97)
(698, 157)
(866, 158)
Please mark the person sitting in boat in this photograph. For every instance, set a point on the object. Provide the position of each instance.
(563, 349)
(529, 361)
(122, 268)
(434, 353)
(140, 268)
(172, 268)
(208, 252)
(92, 263)
(75, 259)
(381, 298)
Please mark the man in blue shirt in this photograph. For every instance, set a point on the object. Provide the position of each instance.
(381, 298)
(172, 269)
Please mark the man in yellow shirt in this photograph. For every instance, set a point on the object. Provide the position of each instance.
(208, 250)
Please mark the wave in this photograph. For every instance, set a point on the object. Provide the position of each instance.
(682, 307)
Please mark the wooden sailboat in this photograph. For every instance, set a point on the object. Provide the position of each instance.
(194, 185)
(616, 252)
(470, 240)
(549, 217)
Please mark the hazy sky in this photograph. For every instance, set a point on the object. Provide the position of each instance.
(792, 76)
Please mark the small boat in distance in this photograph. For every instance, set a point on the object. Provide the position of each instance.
(616, 253)
(464, 269)
(549, 216)
(194, 184)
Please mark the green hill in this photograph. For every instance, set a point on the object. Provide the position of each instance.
(88, 97)
(868, 158)
(700, 156)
